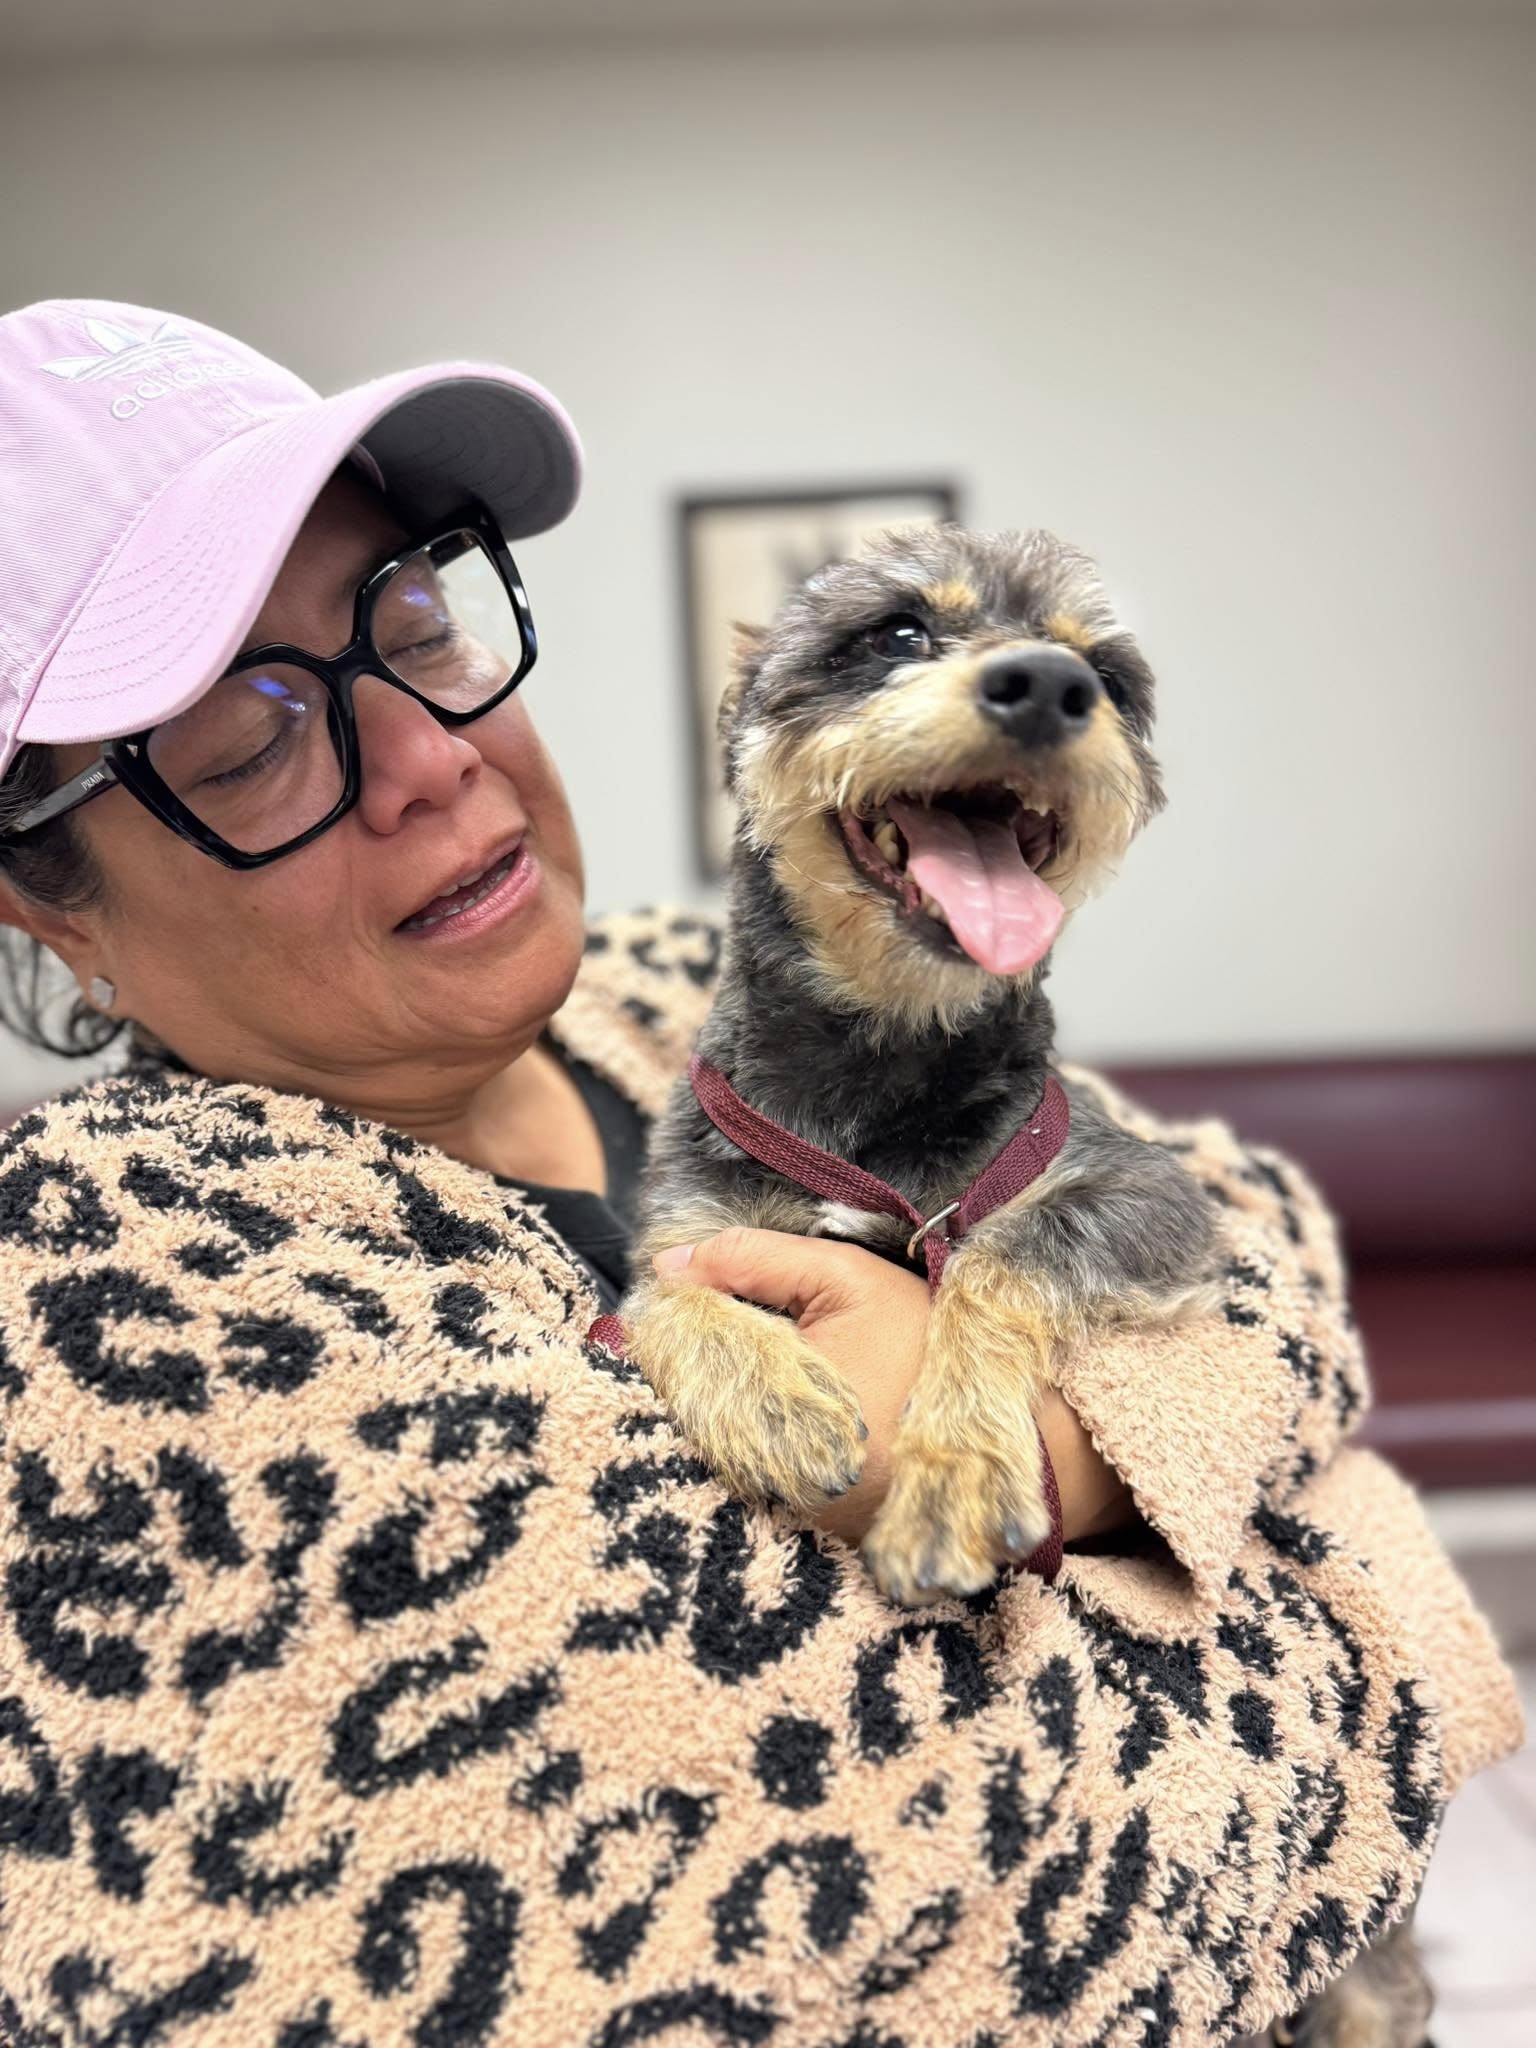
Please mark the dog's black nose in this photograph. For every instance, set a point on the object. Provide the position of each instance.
(1039, 695)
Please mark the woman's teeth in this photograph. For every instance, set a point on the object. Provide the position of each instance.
(488, 879)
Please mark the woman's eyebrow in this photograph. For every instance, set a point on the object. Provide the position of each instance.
(350, 584)
(344, 594)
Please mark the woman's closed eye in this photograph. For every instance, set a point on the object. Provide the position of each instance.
(258, 763)
(413, 622)
(246, 726)
(424, 645)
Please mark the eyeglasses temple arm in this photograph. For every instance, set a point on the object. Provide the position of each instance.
(92, 781)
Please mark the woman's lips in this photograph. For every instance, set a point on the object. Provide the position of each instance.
(498, 893)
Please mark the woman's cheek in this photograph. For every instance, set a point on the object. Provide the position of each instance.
(532, 771)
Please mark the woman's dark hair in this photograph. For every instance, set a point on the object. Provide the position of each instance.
(51, 867)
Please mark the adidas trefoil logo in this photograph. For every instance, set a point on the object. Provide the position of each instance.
(123, 354)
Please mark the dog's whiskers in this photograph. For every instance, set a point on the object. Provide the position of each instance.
(815, 881)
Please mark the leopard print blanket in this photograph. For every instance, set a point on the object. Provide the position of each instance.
(377, 1665)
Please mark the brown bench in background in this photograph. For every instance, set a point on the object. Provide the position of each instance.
(1430, 1164)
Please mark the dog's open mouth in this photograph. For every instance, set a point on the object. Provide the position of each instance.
(965, 867)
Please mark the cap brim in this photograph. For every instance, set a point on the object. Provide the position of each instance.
(178, 598)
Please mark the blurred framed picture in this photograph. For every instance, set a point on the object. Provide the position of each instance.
(739, 555)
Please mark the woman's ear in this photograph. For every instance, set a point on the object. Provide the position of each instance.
(15, 910)
(66, 935)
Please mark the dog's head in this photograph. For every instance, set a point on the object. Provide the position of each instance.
(940, 749)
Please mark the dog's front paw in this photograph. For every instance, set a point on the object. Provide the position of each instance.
(953, 1515)
(794, 1434)
(762, 1408)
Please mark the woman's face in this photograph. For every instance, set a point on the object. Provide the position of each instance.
(308, 973)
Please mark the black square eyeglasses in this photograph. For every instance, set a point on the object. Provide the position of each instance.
(268, 757)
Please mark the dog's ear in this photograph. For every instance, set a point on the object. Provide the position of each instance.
(1126, 675)
(747, 644)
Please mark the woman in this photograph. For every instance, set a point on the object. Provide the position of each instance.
(377, 1664)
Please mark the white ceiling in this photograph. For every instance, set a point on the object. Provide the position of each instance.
(83, 28)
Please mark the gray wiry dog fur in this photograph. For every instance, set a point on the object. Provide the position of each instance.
(850, 1014)
(854, 1017)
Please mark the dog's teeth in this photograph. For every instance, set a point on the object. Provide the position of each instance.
(931, 909)
(887, 843)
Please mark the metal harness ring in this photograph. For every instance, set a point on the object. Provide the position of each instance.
(923, 1229)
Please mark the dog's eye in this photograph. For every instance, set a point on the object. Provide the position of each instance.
(902, 638)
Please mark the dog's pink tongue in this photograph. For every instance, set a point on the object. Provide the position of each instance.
(1004, 916)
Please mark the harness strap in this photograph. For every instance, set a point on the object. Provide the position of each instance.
(1023, 1159)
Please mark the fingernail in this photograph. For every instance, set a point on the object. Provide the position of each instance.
(673, 1259)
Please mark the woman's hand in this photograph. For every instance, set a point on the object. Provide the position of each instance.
(869, 1319)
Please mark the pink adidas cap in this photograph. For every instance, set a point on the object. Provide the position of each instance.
(153, 473)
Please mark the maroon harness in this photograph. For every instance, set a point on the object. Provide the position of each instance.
(1023, 1159)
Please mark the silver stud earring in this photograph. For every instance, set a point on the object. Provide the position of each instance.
(103, 992)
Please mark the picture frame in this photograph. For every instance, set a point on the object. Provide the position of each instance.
(739, 552)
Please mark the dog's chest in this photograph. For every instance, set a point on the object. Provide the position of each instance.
(935, 1194)
(858, 1226)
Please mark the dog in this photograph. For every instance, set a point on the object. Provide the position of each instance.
(939, 750)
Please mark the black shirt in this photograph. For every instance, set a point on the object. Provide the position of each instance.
(598, 1229)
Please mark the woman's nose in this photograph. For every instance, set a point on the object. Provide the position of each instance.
(407, 757)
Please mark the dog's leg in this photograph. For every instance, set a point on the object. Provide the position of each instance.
(968, 1486)
(1113, 1231)
(762, 1407)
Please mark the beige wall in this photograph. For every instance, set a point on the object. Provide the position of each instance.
(1248, 314)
